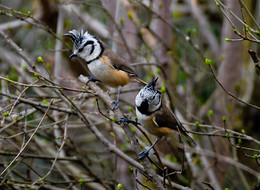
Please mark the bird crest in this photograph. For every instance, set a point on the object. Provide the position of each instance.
(78, 37)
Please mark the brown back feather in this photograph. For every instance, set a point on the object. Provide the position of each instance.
(165, 118)
(117, 62)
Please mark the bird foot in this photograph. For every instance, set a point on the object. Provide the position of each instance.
(126, 120)
(115, 105)
(143, 154)
(92, 79)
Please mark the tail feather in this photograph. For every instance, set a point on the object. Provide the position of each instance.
(190, 139)
(140, 81)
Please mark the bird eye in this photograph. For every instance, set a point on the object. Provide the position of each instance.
(81, 49)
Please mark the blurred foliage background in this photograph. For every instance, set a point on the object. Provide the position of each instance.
(199, 50)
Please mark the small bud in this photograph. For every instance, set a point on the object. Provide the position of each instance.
(243, 131)
(44, 101)
(155, 167)
(170, 53)
(36, 74)
(119, 186)
(163, 89)
(224, 118)
(208, 61)
(8, 182)
(255, 156)
(113, 119)
(80, 182)
(227, 40)
(189, 32)
(227, 135)
(121, 21)
(24, 66)
(5, 114)
(257, 32)
(210, 113)
(130, 169)
(168, 157)
(217, 4)
(12, 11)
(130, 108)
(40, 59)
(112, 134)
(132, 129)
(48, 65)
(235, 31)
(160, 5)
(130, 16)
(123, 147)
(135, 118)
(239, 141)
(197, 124)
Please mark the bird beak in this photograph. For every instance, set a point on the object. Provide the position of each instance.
(153, 82)
(73, 55)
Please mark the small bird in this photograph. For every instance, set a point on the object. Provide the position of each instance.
(155, 116)
(102, 62)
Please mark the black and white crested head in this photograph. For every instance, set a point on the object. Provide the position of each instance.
(85, 45)
(148, 100)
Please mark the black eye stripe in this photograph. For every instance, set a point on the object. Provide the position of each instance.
(87, 43)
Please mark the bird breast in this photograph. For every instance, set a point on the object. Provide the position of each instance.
(104, 71)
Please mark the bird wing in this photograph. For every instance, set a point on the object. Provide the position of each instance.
(165, 118)
(117, 62)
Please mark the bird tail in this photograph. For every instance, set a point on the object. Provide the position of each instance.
(140, 81)
(189, 138)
